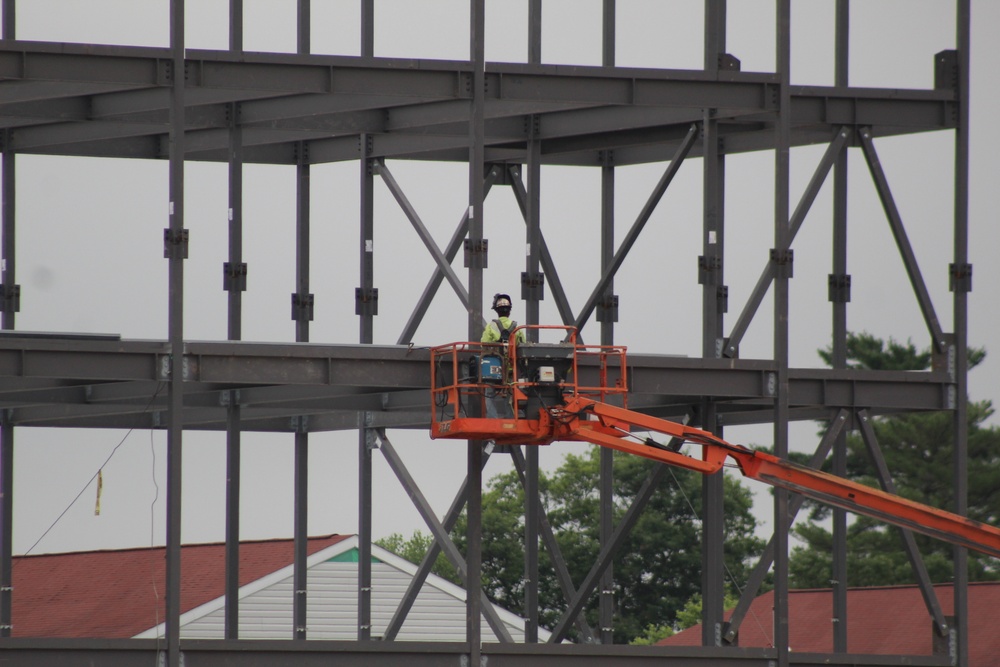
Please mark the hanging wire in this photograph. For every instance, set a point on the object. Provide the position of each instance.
(145, 410)
(729, 572)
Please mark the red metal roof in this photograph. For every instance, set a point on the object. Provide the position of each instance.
(889, 620)
(115, 594)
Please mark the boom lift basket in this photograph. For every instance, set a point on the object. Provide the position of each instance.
(527, 378)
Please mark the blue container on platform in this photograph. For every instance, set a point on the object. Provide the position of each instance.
(491, 368)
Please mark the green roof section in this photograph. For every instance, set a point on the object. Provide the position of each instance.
(350, 556)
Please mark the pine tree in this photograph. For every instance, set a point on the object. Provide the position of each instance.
(917, 448)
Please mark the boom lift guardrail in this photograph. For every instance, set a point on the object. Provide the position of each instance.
(545, 403)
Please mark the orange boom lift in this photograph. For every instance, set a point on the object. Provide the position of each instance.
(536, 394)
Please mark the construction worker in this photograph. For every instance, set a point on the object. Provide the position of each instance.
(498, 331)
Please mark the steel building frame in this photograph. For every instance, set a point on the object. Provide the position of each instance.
(504, 121)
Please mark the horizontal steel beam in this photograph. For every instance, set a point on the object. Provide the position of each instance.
(88, 100)
(119, 384)
(267, 653)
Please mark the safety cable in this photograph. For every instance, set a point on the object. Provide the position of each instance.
(729, 572)
(652, 443)
(680, 441)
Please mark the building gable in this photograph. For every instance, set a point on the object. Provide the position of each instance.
(438, 613)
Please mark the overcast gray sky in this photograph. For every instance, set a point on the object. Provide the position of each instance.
(90, 242)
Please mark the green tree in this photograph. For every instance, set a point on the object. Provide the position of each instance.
(652, 635)
(658, 567)
(690, 615)
(656, 570)
(917, 448)
(415, 548)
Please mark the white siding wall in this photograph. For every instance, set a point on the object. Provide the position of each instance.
(332, 605)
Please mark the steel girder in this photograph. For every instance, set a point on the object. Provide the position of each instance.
(108, 384)
(113, 101)
(266, 653)
(118, 102)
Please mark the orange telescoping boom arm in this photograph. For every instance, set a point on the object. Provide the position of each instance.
(769, 469)
(567, 410)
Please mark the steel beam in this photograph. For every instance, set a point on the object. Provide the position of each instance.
(714, 299)
(443, 264)
(608, 552)
(532, 293)
(437, 528)
(430, 558)
(902, 241)
(476, 263)
(607, 315)
(316, 653)
(300, 96)
(451, 250)
(175, 248)
(763, 566)
(77, 382)
(839, 294)
(637, 226)
(555, 553)
(302, 314)
(782, 404)
(545, 257)
(366, 308)
(235, 275)
(909, 542)
(960, 323)
(831, 155)
(7, 321)
(91, 100)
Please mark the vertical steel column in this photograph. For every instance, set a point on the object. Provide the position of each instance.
(531, 293)
(10, 292)
(365, 309)
(713, 304)
(8, 7)
(6, 525)
(840, 295)
(232, 567)
(366, 443)
(640, 222)
(234, 283)
(302, 313)
(607, 315)
(532, 286)
(7, 192)
(368, 28)
(961, 285)
(236, 26)
(782, 261)
(7, 195)
(366, 296)
(301, 462)
(476, 261)
(176, 251)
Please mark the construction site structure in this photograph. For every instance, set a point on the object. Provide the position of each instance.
(505, 121)
(549, 402)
